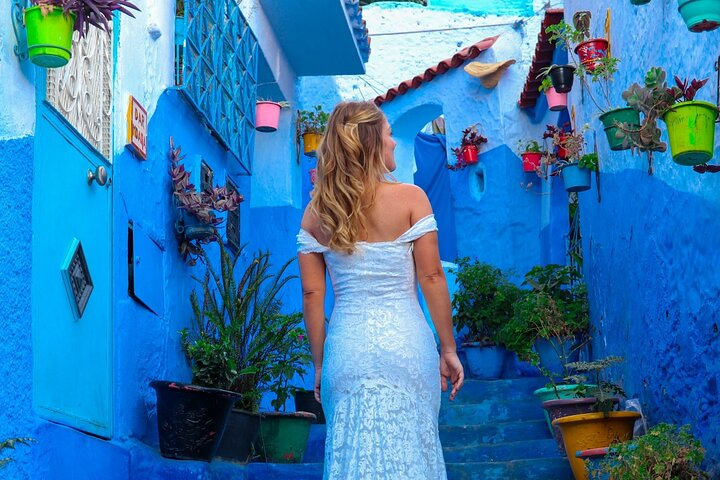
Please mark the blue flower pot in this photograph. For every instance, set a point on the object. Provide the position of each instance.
(576, 179)
(700, 15)
(550, 359)
(484, 362)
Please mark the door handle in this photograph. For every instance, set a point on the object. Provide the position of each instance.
(99, 175)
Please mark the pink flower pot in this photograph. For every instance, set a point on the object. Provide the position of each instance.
(267, 116)
(556, 101)
(313, 175)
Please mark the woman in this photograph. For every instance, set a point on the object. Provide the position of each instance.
(376, 368)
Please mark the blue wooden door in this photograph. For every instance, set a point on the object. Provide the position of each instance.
(71, 281)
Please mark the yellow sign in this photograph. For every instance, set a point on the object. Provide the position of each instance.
(137, 119)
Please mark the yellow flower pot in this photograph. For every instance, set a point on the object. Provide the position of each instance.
(593, 430)
(310, 143)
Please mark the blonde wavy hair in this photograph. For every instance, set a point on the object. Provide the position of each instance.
(350, 166)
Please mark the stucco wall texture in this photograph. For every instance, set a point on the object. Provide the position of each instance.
(16, 415)
(649, 243)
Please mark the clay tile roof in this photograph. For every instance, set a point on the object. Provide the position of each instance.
(543, 58)
(360, 31)
(453, 62)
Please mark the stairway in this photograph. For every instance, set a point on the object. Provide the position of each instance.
(494, 430)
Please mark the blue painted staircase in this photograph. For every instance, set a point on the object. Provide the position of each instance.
(494, 430)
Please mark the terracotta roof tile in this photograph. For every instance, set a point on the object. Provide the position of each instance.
(542, 58)
(453, 62)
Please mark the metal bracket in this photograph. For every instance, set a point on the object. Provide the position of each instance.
(20, 48)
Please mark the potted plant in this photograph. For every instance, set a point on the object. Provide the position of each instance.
(531, 154)
(588, 50)
(467, 153)
(700, 15)
(574, 165)
(267, 115)
(561, 77)
(253, 345)
(556, 101)
(311, 126)
(482, 304)
(601, 428)
(549, 325)
(11, 443)
(198, 224)
(665, 452)
(50, 24)
(639, 2)
(651, 101)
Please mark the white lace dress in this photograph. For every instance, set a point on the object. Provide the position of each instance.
(381, 381)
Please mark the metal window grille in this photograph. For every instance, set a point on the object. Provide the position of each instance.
(216, 57)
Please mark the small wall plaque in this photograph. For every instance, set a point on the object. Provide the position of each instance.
(137, 128)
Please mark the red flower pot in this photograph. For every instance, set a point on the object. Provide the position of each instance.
(470, 154)
(590, 51)
(531, 161)
(561, 150)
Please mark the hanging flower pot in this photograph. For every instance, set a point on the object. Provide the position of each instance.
(267, 116)
(576, 179)
(310, 143)
(556, 101)
(639, 2)
(313, 175)
(470, 154)
(561, 150)
(531, 161)
(691, 129)
(700, 15)
(562, 77)
(191, 419)
(610, 120)
(591, 50)
(49, 36)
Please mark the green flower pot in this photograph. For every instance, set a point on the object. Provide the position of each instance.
(49, 37)
(611, 118)
(283, 436)
(639, 2)
(691, 129)
(700, 15)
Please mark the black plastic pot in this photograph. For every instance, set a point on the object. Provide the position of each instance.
(305, 402)
(240, 435)
(191, 419)
(562, 77)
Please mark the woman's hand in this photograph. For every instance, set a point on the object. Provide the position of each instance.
(318, 376)
(450, 369)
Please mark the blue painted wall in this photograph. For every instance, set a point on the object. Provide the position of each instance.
(16, 415)
(486, 7)
(649, 244)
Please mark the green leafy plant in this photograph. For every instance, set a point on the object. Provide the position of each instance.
(483, 300)
(601, 388)
(554, 309)
(240, 340)
(528, 146)
(589, 161)
(201, 205)
(666, 452)
(546, 83)
(10, 443)
(312, 121)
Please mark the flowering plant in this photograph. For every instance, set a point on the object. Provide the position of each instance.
(240, 341)
(471, 138)
(88, 12)
(201, 205)
(312, 121)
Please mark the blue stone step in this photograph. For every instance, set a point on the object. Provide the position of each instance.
(501, 452)
(474, 391)
(457, 435)
(491, 411)
(526, 469)
(277, 471)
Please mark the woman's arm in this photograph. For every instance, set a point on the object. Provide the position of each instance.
(433, 284)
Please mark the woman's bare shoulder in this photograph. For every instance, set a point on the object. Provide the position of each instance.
(410, 197)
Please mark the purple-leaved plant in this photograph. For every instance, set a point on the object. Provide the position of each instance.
(89, 12)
